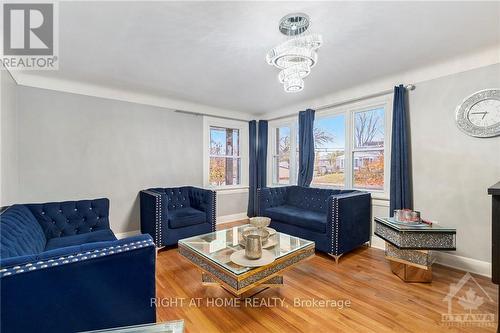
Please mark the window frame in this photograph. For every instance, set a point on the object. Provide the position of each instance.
(349, 111)
(242, 127)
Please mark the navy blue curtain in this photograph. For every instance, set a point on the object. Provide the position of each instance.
(401, 194)
(262, 154)
(252, 177)
(306, 147)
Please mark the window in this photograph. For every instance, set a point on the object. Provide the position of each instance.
(283, 163)
(355, 163)
(368, 151)
(225, 160)
(225, 153)
(350, 144)
(329, 151)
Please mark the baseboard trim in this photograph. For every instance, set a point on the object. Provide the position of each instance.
(231, 218)
(128, 234)
(450, 260)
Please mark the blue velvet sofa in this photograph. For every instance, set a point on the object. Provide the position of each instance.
(63, 270)
(170, 214)
(337, 220)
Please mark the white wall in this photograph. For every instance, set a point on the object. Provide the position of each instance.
(8, 139)
(451, 170)
(74, 147)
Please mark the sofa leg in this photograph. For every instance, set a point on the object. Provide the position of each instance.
(336, 257)
(369, 243)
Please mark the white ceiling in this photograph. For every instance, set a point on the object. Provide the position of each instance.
(213, 53)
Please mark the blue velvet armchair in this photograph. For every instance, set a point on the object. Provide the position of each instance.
(338, 221)
(170, 214)
(63, 270)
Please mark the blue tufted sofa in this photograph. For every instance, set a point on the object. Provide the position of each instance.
(337, 220)
(170, 214)
(63, 270)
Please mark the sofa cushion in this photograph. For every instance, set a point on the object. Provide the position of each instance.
(306, 219)
(184, 217)
(89, 237)
(20, 233)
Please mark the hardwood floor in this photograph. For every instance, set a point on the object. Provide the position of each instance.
(380, 301)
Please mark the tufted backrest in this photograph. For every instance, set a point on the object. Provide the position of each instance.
(278, 195)
(310, 198)
(59, 219)
(20, 233)
(177, 197)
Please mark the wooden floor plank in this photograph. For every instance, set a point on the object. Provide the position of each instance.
(380, 301)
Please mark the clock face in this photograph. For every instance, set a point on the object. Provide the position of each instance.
(485, 113)
(479, 114)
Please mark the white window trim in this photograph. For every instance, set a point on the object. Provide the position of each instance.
(243, 130)
(349, 110)
(292, 123)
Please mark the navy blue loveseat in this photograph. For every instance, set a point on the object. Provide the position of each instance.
(63, 270)
(170, 214)
(337, 220)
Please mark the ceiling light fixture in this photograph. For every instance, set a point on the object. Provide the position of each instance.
(297, 55)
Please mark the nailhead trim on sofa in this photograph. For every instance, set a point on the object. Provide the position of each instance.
(81, 256)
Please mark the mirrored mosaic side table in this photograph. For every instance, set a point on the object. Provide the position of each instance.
(410, 248)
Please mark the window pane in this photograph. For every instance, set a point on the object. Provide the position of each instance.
(329, 147)
(282, 167)
(217, 141)
(281, 158)
(224, 171)
(368, 169)
(224, 141)
(369, 128)
(217, 174)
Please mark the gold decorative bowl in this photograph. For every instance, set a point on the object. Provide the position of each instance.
(260, 221)
(264, 234)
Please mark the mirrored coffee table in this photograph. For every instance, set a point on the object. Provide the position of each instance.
(211, 253)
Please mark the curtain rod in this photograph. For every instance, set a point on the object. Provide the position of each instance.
(351, 100)
(208, 115)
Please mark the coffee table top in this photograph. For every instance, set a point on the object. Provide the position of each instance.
(219, 245)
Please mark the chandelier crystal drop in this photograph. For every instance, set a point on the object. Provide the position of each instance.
(297, 55)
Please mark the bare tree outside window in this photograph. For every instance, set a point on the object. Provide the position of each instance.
(369, 129)
(368, 156)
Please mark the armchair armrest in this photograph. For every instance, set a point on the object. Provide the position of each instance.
(206, 201)
(348, 221)
(268, 197)
(154, 209)
(92, 286)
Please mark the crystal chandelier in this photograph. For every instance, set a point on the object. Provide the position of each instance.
(297, 55)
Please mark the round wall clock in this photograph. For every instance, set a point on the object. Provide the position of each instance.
(479, 114)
